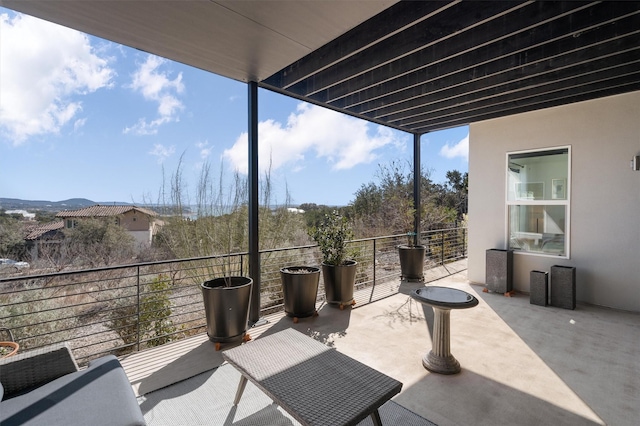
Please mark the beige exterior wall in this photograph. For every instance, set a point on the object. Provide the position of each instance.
(604, 135)
(135, 221)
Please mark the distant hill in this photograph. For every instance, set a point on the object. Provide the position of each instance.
(70, 204)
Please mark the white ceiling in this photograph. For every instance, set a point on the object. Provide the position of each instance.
(246, 40)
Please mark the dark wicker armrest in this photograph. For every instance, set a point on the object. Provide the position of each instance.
(31, 369)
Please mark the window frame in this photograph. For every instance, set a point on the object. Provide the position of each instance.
(566, 202)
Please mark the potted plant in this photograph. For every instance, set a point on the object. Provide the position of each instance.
(338, 271)
(300, 290)
(411, 254)
(8, 348)
(226, 307)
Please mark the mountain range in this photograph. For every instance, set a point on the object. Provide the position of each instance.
(70, 204)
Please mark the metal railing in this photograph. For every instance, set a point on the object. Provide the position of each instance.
(121, 309)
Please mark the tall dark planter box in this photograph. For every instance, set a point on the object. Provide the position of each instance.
(499, 270)
(538, 288)
(563, 287)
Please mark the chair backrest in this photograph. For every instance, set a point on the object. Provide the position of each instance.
(36, 367)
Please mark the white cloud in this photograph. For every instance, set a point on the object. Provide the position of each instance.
(342, 140)
(205, 149)
(44, 68)
(460, 149)
(156, 86)
(162, 152)
(79, 124)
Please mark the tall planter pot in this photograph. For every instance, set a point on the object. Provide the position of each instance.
(226, 306)
(412, 261)
(300, 290)
(339, 281)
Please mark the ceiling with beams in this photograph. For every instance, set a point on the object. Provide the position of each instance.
(416, 66)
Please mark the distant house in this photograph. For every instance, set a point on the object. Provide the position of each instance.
(39, 236)
(140, 222)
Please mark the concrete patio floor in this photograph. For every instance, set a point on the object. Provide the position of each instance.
(522, 364)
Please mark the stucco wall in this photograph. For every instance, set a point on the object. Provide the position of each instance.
(134, 221)
(604, 135)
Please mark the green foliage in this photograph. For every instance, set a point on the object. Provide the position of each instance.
(12, 244)
(97, 242)
(386, 206)
(332, 236)
(43, 216)
(37, 311)
(314, 214)
(156, 310)
(154, 323)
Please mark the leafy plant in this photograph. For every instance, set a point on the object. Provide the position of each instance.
(332, 236)
(154, 316)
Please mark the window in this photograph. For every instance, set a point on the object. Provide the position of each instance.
(538, 201)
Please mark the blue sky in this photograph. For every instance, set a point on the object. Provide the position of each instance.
(84, 117)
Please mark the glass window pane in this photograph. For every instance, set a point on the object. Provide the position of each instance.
(538, 228)
(538, 175)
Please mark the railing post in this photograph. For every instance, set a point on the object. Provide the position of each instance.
(464, 242)
(138, 309)
(373, 287)
(442, 249)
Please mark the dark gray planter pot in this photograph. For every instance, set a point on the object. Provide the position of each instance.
(226, 306)
(499, 270)
(412, 261)
(300, 290)
(339, 282)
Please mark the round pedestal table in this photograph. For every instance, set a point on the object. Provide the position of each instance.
(442, 300)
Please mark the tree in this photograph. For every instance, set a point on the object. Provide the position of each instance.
(97, 242)
(12, 243)
(456, 192)
(386, 206)
(154, 324)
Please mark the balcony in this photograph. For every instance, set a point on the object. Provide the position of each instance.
(521, 363)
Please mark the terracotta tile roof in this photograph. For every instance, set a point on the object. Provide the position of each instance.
(103, 211)
(38, 231)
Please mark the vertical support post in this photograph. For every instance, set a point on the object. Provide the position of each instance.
(417, 180)
(254, 255)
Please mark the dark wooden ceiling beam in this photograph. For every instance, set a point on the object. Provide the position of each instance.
(395, 19)
(458, 26)
(458, 62)
(590, 90)
(583, 61)
(478, 67)
(558, 81)
(550, 33)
